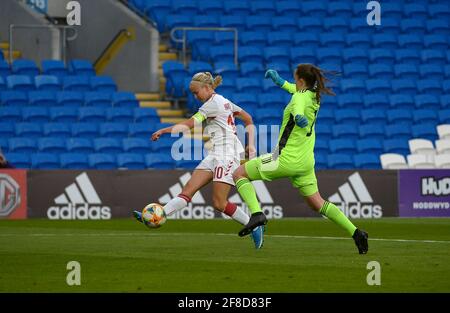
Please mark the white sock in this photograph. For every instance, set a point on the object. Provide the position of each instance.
(176, 204)
(236, 213)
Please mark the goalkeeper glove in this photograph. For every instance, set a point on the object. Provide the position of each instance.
(301, 121)
(272, 74)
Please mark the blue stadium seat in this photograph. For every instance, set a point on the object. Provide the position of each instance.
(85, 130)
(107, 145)
(406, 71)
(76, 83)
(439, 11)
(159, 161)
(79, 145)
(227, 88)
(252, 70)
(321, 146)
(252, 39)
(440, 27)
(269, 87)
(276, 54)
(425, 116)
(427, 101)
(187, 164)
(47, 82)
(13, 98)
(52, 145)
(337, 25)
(251, 54)
(444, 116)
(157, 10)
(347, 116)
(70, 98)
(212, 8)
(345, 131)
(381, 71)
(234, 8)
(372, 146)
(392, 10)
(280, 23)
(358, 41)
(184, 7)
(268, 100)
(258, 23)
(326, 116)
(369, 131)
(144, 130)
(268, 116)
(425, 131)
(102, 161)
(263, 8)
(22, 145)
(224, 38)
(221, 53)
(146, 115)
(42, 98)
(136, 145)
(4, 68)
(407, 56)
(35, 114)
(416, 11)
(431, 71)
(200, 42)
(350, 100)
(288, 8)
(175, 74)
(359, 25)
(302, 55)
(328, 55)
(250, 85)
(398, 131)
(446, 86)
(62, 130)
(25, 67)
(323, 130)
(432, 56)
(355, 55)
(45, 161)
(19, 83)
(7, 129)
(385, 56)
(353, 86)
(97, 99)
(103, 83)
(120, 115)
(228, 70)
(391, 26)
(54, 67)
(346, 146)
(400, 116)
(124, 99)
(378, 86)
(163, 145)
(245, 100)
(412, 26)
(409, 41)
(279, 39)
(113, 130)
(366, 161)
(199, 66)
(2, 84)
(321, 161)
(355, 71)
(19, 160)
(233, 21)
(429, 86)
(340, 161)
(404, 86)
(306, 40)
(374, 116)
(402, 101)
(205, 21)
(92, 114)
(132, 161)
(445, 101)
(399, 146)
(342, 10)
(81, 68)
(436, 41)
(30, 130)
(10, 114)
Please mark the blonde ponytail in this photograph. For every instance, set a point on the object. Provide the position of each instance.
(207, 79)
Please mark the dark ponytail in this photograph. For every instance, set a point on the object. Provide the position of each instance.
(315, 79)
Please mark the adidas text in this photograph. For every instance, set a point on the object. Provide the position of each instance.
(79, 212)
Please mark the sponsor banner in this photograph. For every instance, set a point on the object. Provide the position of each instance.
(13, 194)
(110, 194)
(424, 193)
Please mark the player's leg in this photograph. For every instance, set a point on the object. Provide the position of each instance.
(221, 191)
(198, 179)
(307, 185)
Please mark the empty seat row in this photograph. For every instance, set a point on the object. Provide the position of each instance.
(68, 98)
(97, 161)
(48, 67)
(53, 83)
(417, 161)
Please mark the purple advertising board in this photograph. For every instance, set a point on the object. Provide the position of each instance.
(424, 193)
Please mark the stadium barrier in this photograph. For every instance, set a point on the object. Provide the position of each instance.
(104, 194)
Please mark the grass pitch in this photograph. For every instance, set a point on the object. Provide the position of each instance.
(299, 255)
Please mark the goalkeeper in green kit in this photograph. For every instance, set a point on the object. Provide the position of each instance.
(293, 157)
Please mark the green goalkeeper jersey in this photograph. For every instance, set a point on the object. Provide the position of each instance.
(296, 144)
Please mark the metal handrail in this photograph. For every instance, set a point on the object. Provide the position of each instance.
(63, 41)
(221, 29)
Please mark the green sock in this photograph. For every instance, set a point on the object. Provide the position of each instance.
(333, 213)
(247, 192)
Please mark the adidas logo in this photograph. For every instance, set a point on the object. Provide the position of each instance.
(354, 199)
(80, 201)
(198, 209)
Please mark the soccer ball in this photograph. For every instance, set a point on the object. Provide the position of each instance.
(153, 215)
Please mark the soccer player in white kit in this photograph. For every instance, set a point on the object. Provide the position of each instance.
(224, 156)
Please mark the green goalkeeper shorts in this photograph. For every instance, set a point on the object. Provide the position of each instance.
(266, 168)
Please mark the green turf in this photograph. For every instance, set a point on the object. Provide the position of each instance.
(208, 256)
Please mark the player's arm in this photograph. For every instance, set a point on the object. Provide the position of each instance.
(179, 127)
(279, 81)
(250, 128)
(298, 111)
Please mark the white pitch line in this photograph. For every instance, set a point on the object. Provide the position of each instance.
(142, 234)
